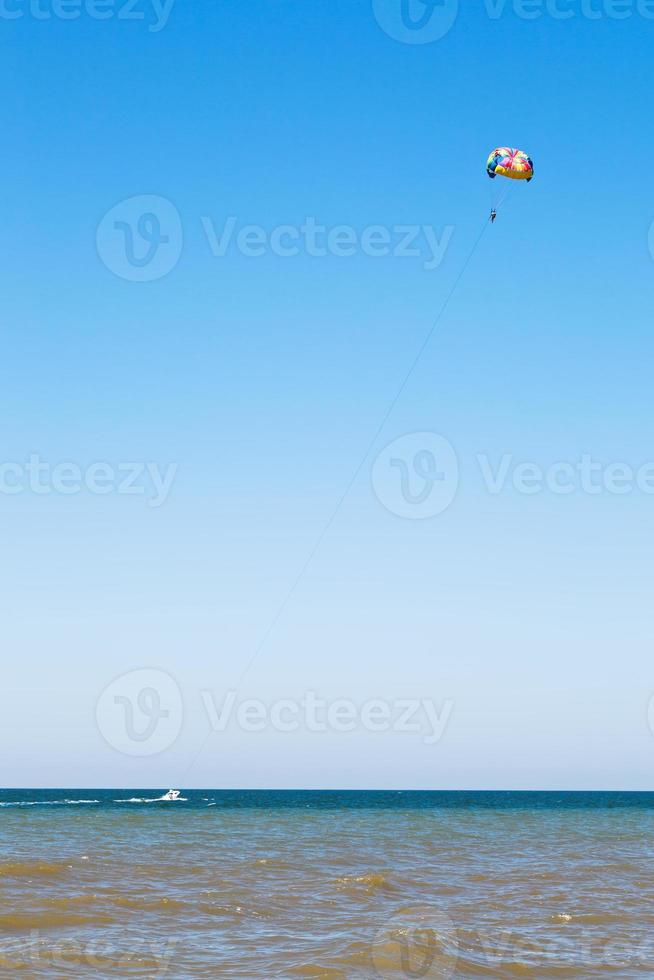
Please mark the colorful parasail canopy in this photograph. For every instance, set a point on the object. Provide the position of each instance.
(510, 163)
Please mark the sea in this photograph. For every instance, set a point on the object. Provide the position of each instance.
(293, 884)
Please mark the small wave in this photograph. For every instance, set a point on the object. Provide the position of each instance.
(33, 869)
(207, 912)
(90, 900)
(211, 908)
(374, 881)
(271, 864)
(46, 920)
(153, 799)
(46, 802)
(146, 904)
(590, 918)
(319, 972)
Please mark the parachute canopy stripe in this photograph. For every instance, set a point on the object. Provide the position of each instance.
(508, 162)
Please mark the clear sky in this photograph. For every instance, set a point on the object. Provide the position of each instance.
(252, 384)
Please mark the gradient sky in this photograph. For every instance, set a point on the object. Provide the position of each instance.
(263, 379)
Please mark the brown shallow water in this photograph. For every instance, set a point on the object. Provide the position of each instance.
(326, 885)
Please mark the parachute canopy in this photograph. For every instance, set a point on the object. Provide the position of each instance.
(510, 163)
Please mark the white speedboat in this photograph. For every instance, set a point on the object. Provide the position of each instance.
(172, 794)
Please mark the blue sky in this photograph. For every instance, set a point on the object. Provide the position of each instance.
(261, 380)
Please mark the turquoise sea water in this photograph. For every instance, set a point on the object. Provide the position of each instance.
(326, 884)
